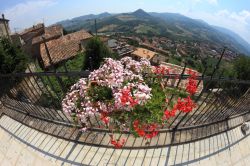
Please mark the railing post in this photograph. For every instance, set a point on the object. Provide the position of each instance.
(216, 68)
(91, 63)
(52, 64)
(180, 78)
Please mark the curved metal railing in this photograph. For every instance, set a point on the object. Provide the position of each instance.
(222, 104)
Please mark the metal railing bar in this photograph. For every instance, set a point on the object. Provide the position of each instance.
(46, 109)
(235, 103)
(36, 98)
(207, 85)
(183, 72)
(207, 111)
(50, 94)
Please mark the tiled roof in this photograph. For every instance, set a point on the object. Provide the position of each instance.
(51, 32)
(112, 43)
(144, 53)
(176, 69)
(34, 28)
(4, 20)
(63, 48)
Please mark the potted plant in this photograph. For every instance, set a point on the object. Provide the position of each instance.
(127, 95)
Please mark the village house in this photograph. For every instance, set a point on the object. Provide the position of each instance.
(120, 47)
(143, 53)
(66, 47)
(31, 38)
(156, 60)
(27, 36)
(50, 33)
(34, 36)
(176, 69)
(4, 27)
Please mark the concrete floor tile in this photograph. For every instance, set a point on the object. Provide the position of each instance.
(6, 162)
(53, 151)
(14, 151)
(25, 158)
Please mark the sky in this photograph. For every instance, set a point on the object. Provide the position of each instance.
(231, 14)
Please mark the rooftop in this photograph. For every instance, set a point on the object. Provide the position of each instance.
(176, 69)
(51, 32)
(63, 48)
(4, 20)
(112, 43)
(144, 53)
(33, 28)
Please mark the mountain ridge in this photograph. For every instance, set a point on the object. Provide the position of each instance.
(172, 25)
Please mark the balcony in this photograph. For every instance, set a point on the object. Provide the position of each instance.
(31, 103)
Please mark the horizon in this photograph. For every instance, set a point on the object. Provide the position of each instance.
(228, 14)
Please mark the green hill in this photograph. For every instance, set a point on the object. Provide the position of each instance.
(171, 25)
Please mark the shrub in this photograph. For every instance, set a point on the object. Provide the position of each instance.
(96, 51)
(12, 59)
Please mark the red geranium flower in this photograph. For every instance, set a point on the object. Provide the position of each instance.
(127, 98)
(104, 118)
(152, 132)
(117, 143)
(161, 70)
(191, 86)
(140, 132)
(186, 106)
(168, 114)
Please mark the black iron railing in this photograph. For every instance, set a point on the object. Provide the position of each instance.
(222, 104)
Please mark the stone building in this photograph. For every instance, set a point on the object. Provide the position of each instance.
(4, 27)
(33, 37)
(119, 47)
(143, 53)
(27, 36)
(176, 69)
(63, 48)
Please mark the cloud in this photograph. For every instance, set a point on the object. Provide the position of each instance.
(21, 13)
(238, 22)
(212, 2)
(243, 17)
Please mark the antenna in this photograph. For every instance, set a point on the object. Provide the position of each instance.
(95, 28)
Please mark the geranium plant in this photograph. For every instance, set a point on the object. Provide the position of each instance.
(128, 95)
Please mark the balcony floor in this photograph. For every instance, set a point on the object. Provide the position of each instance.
(21, 145)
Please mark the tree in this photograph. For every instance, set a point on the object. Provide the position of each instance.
(96, 51)
(242, 67)
(12, 59)
(133, 43)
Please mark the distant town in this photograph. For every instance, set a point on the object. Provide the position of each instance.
(51, 45)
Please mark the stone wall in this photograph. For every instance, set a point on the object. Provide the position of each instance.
(3, 31)
(175, 69)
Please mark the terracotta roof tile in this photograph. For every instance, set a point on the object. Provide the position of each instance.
(63, 48)
(51, 32)
(34, 28)
(6, 20)
(144, 53)
(176, 69)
